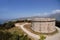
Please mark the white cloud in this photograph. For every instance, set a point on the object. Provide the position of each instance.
(46, 13)
(52, 12)
(40, 14)
(55, 11)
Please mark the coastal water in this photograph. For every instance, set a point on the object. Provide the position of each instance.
(2, 21)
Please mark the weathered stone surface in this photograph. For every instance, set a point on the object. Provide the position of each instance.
(43, 25)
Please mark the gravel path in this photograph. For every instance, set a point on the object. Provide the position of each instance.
(55, 36)
(36, 37)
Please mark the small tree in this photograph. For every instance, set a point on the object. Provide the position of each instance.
(9, 25)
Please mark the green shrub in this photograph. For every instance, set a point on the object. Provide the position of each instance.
(5, 35)
(8, 36)
(42, 37)
(7, 25)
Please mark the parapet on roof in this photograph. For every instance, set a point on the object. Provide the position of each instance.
(43, 19)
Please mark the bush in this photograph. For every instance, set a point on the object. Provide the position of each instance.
(21, 36)
(42, 37)
(8, 25)
(5, 35)
(8, 36)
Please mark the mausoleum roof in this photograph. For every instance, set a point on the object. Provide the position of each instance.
(43, 19)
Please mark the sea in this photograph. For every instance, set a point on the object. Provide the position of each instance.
(2, 21)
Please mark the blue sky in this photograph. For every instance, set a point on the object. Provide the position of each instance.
(10, 9)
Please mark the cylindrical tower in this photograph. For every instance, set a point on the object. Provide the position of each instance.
(43, 25)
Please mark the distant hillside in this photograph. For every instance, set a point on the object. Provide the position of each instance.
(53, 15)
(58, 24)
(57, 16)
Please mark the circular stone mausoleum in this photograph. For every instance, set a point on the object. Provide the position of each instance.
(43, 25)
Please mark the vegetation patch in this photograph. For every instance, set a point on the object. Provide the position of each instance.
(9, 32)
